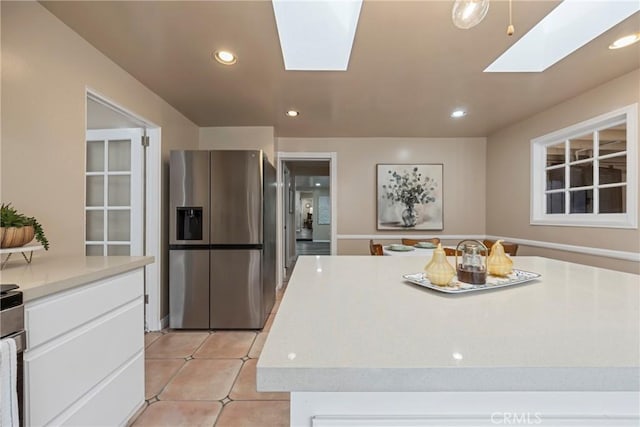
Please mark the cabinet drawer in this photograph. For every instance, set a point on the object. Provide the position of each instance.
(60, 373)
(76, 307)
(115, 400)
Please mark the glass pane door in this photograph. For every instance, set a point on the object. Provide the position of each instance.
(113, 202)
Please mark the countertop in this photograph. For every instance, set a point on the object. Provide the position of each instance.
(351, 323)
(50, 274)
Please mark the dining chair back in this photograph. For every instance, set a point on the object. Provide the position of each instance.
(375, 248)
(509, 248)
(413, 242)
(451, 252)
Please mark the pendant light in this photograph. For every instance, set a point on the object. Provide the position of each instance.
(510, 28)
(469, 13)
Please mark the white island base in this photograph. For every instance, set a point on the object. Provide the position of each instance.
(356, 345)
(453, 409)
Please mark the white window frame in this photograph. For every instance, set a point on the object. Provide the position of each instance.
(629, 219)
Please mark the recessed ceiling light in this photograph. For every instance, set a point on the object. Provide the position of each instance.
(317, 184)
(458, 113)
(625, 41)
(225, 57)
(292, 113)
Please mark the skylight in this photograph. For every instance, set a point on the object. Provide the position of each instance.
(316, 35)
(568, 27)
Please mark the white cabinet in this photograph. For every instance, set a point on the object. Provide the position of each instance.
(464, 409)
(84, 363)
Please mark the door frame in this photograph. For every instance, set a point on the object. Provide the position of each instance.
(282, 157)
(153, 207)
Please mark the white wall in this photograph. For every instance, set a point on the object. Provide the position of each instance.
(464, 161)
(46, 68)
(509, 216)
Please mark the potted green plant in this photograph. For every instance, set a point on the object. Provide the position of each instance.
(17, 229)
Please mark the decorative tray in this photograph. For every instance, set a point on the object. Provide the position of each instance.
(456, 287)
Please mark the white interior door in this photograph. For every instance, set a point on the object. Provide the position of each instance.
(113, 201)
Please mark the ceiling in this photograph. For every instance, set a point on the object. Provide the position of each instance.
(310, 183)
(409, 67)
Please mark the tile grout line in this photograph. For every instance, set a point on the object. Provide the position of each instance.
(227, 399)
(238, 376)
(191, 357)
(184, 359)
(232, 385)
(255, 337)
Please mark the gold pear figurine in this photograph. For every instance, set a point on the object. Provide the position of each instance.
(498, 263)
(438, 270)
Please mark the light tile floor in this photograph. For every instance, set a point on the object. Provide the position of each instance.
(201, 378)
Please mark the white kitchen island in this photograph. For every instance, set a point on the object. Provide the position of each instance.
(357, 345)
(84, 318)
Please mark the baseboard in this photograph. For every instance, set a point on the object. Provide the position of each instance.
(162, 324)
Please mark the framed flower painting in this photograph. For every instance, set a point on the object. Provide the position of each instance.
(409, 197)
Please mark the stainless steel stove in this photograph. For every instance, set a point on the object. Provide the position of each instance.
(12, 326)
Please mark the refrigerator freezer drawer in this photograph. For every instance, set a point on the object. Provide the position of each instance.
(189, 289)
(236, 289)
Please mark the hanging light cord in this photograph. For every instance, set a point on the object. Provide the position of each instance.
(510, 28)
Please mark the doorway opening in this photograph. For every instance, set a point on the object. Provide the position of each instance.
(307, 208)
(312, 184)
(122, 191)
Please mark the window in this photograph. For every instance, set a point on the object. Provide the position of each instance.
(586, 174)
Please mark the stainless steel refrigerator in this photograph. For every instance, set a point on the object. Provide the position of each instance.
(222, 239)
